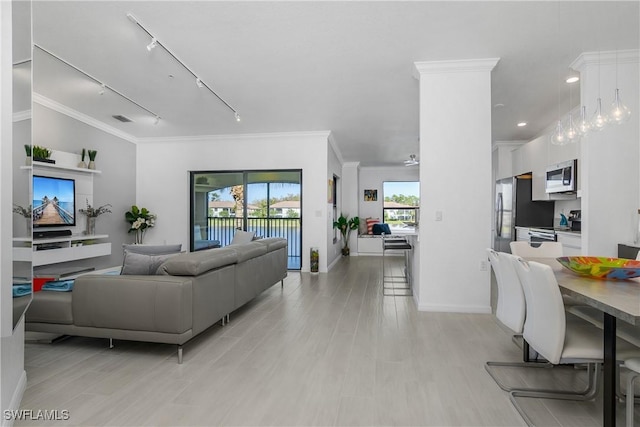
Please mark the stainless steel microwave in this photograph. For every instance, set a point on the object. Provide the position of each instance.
(562, 177)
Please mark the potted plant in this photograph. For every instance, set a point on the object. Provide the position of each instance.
(27, 149)
(82, 164)
(41, 154)
(346, 225)
(139, 220)
(27, 213)
(92, 213)
(92, 158)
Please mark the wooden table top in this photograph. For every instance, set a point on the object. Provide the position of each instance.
(620, 298)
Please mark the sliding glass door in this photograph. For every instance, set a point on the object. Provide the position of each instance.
(266, 202)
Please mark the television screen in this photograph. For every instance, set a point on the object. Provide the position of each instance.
(54, 202)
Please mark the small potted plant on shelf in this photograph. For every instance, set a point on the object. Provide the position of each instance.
(139, 220)
(41, 154)
(27, 149)
(27, 213)
(92, 158)
(346, 226)
(82, 164)
(92, 213)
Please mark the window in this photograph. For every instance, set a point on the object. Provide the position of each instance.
(401, 207)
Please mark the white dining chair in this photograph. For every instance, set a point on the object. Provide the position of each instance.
(545, 250)
(560, 342)
(510, 310)
(634, 366)
(638, 256)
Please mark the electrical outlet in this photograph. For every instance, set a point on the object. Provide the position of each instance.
(438, 215)
(484, 266)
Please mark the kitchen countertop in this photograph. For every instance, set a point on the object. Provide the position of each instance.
(569, 232)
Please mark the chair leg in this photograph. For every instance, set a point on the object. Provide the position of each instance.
(179, 354)
(489, 365)
(630, 397)
(588, 394)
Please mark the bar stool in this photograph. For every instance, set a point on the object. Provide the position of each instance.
(396, 285)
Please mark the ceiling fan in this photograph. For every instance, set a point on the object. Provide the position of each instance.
(412, 161)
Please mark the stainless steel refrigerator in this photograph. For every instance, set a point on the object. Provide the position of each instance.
(514, 207)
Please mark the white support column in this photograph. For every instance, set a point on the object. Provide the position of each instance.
(455, 185)
(350, 197)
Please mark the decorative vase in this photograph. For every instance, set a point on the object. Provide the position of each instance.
(82, 165)
(139, 235)
(315, 260)
(29, 222)
(91, 226)
(92, 165)
(27, 161)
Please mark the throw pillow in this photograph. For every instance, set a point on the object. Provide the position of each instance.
(242, 237)
(378, 229)
(370, 222)
(143, 264)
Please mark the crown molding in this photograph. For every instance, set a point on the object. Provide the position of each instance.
(63, 109)
(208, 138)
(608, 57)
(454, 66)
(21, 115)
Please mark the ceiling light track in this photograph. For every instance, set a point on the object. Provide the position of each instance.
(24, 61)
(155, 42)
(102, 85)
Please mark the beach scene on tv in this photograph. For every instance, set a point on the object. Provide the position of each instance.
(53, 202)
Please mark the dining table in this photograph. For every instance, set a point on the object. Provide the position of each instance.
(618, 300)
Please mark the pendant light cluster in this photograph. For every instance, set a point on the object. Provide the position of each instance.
(573, 129)
(154, 42)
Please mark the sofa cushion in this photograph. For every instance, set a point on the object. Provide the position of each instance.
(370, 223)
(196, 263)
(250, 250)
(143, 264)
(153, 249)
(242, 237)
(273, 243)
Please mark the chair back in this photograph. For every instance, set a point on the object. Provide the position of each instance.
(510, 307)
(638, 256)
(545, 250)
(544, 327)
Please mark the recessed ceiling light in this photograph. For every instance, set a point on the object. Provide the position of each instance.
(522, 124)
(572, 79)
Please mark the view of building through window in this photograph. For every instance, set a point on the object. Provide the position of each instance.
(401, 204)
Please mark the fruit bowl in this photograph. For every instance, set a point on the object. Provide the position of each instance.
(602, 267)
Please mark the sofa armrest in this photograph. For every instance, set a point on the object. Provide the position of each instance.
(141, 303)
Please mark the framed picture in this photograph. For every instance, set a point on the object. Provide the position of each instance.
(330, 192)
(370, 195)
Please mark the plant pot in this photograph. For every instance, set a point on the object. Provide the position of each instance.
(92, 165)
(43, 160)
(82, 165)
(91, 226)
(346, 251)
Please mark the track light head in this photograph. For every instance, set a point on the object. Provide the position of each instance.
(237, 116)
(102, 88)
(153, 44)
(199, 82)
(157, 120)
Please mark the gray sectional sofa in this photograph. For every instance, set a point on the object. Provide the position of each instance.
(189, 293)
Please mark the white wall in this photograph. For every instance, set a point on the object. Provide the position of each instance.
(350, 191)
(12, 374)
(334, 167)
(455, 182)
(163, 178)
(610, 158)
(371, 178)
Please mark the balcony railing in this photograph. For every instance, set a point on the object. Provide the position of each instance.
(223, 229)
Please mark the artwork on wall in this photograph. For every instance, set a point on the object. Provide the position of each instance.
(370, 195)
(330, 192)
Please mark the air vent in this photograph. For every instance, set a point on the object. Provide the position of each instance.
(122, 118)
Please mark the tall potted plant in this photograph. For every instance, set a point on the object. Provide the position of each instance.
(346, 225)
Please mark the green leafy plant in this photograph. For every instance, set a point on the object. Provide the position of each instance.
(84, 153)
(27, 149)
(139, 220)
(92, 155)
(346, 225)
(25, 212)
(40, 152)
(92, 212)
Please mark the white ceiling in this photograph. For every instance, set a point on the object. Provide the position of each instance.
(310, 66)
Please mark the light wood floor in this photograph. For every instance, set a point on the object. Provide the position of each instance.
(327, 349)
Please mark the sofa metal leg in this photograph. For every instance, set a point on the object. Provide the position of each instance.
(179, 354)
(224, 318)
(228, 318)
(282, 284)
(110, 342)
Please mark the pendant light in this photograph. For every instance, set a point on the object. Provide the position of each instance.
(583, 123)
(619, 112)
(558, 136)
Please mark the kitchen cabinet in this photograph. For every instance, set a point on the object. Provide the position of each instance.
(571, 242)
(538, 153)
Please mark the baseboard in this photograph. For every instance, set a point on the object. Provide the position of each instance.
(16, 399)
(335, 261)
(478, 309)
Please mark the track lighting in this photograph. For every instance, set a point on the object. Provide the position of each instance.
(103, 86)
(157, 120)
(153, 44)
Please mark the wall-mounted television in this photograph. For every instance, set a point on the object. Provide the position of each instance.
(54, 202)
